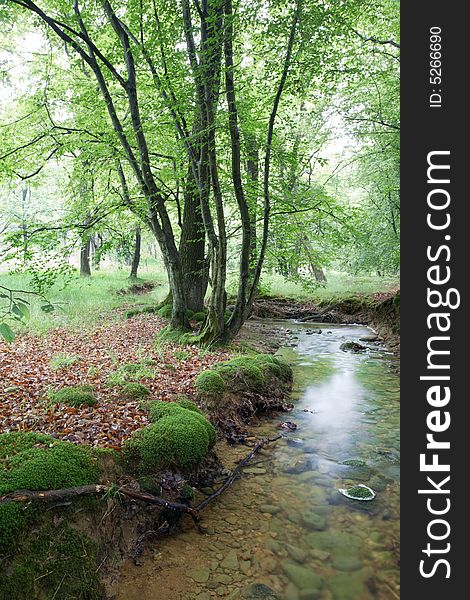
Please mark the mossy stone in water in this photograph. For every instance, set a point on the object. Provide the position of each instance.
(258, 591)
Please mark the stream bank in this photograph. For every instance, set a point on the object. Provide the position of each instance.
(283, 530)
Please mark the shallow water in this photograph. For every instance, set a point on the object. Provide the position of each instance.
(284, 525)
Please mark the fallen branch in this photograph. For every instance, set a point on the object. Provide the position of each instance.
(82, 490)
(100, 489)
(236, 472)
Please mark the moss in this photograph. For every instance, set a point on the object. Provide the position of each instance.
(132, 312)
(76, 395)
(132, 372)
(185, 402)
(358, 491)
(275, 366)
(353, 462)
(188, 492)
(55, 559)
(159, 410)
(165, 311)
(253, 370)
(179, 439)
(209, 383)
(63, 360)
(135, 391)
(176, 336)
(239, 373)
(38, 462)
(199, 316)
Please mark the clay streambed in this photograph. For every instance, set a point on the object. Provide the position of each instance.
(283, 526)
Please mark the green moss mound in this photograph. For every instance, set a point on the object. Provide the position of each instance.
(76, 395)
(199, 316)
(37, 462)
(186, 409)
(57, 562)
(252, 372)
(209, 383)
(135, 391)
(242, 371)
(178, 439)
(165, 311)
(185, 402)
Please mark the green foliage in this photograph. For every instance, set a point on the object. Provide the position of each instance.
(181, 355)
(132, 312)
(135, 391)
(76, 395)
(37, 462)
(179, 438)
(209, 383)
(63, 360)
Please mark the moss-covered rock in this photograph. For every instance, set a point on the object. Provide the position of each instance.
(135, 391)
(252, 372)
(38, 462)
(179, 439)
(159, 410)
(209, 383)
(74, 395)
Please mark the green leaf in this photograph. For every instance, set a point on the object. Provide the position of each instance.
(6, 333)
(22, 310)
(47, 308)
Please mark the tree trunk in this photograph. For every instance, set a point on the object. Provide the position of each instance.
(318, 273)
(136, 257)
(192, 248)
(85, 269)
(252, 171)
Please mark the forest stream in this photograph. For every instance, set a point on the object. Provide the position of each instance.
(283, 530)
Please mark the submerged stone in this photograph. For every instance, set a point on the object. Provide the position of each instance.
(298, 554)
(314, 521)
(336, 542)
(199, 575)
(230, 561)
(347, 563)
(302, 577)
(259, 591)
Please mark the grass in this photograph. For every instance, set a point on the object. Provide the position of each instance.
(338, 284)
(87, 300)
(83, 300)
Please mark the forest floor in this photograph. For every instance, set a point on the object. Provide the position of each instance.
(93, 356)
(93, 350)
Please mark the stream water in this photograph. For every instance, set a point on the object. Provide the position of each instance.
(283, 530)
